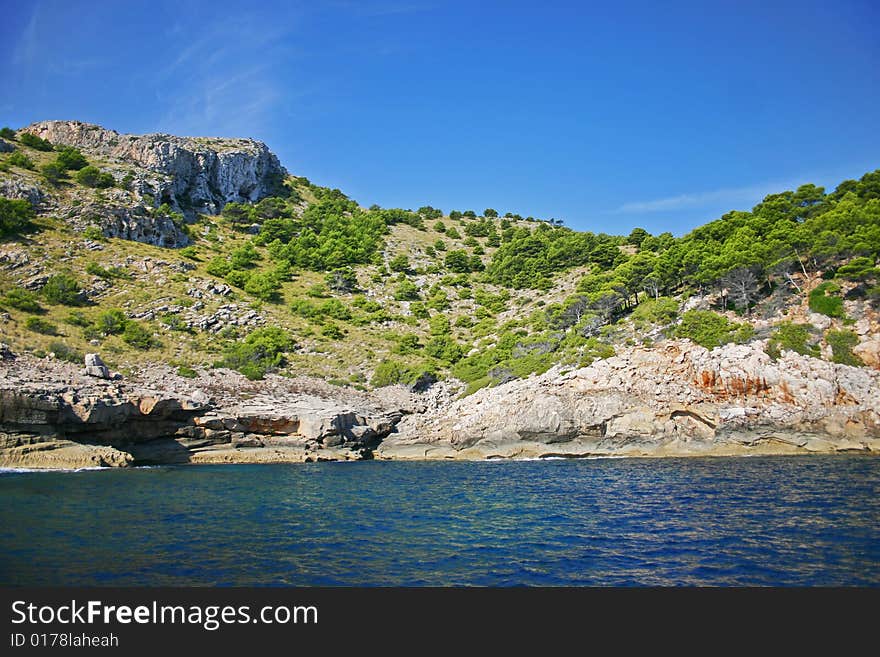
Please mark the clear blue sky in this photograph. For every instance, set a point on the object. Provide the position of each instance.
(606, 115)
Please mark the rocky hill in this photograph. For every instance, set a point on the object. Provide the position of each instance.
(250, 314)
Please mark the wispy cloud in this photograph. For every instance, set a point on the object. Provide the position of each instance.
(27, 49)
(222, 83)
(727, 196)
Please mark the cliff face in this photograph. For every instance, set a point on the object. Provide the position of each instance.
(679, 399)
(56, 415)
(198, 174)
(676, 400)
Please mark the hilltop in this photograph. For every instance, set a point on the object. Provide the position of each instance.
(196, 256)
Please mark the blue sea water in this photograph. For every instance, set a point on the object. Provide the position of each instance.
(697, 521)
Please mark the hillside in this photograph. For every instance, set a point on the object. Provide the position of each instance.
(199, 252)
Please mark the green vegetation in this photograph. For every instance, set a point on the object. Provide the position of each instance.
(66, 353)
(53, 173)
(21, 299)
(138, 336)
(38, 325)
(7, 133)
(397, 296)
(710, 329)
(791, 337)
(70, 159)
(62, 289)
(16, 215)
(391, 372)
(19, 159)
(823, 300)
(841, 343)
(261, 352)
(93, 177)
(32, 141)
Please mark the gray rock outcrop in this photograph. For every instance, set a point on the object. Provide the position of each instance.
(193, 173)
(53, 415)
(680, 399)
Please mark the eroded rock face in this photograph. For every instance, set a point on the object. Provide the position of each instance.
(195, 173)
(57, 416)
(678, 399)
(18, 189)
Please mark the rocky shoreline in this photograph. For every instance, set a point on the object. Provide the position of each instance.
(675, 399)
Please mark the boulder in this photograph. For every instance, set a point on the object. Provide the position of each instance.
(869, 352)
(96, 367)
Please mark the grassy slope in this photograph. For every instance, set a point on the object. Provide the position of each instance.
(350, 359)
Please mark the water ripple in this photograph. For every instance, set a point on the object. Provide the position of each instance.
(757, 521)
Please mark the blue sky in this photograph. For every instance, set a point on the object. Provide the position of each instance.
(661, 115)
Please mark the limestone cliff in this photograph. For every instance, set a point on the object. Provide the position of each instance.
(677, 399)
(56, 415)
(188, 173)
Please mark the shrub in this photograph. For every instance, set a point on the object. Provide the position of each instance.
(439, 325)
(244, 257)
(238, 278)
(35, 142)
(186, 372)
(7, 133)
(38, 325)
(318, 291)
(137, 336)
(219, 267)
(238, 214)
(63, 352)
(22, 299)
(93, 177)
(190, 253)
(62, 289)
(407, 344)
(444, 348)
(593, 350)
(334, 308)
(419, 310)
(710, 329)
(95, 269)
(841, 343)
(822, 300)
(52, 173)
(15, 215)
(341, 280)
(94, 233)
(391, 372)
(70, 158)
(406, 290)
(19, 159)
(399, 263)
(453, 234)
(261, 352)
(265, 287)
(111, 322)
(656, 311)
(77, 318)
(332, 331)
(791, 337)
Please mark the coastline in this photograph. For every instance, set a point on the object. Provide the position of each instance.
(675, 400)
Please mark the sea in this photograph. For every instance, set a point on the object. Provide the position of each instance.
(744, 521)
